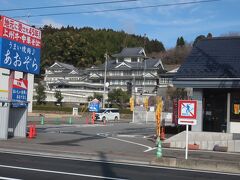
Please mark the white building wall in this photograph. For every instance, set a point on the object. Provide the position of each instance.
(4, 84)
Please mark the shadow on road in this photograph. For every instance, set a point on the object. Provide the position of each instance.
(74, 142)
(107, 168)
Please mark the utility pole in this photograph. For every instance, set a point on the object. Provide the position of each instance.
(105, 79)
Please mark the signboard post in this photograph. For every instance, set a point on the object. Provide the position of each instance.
(20, 46)
(187, 115)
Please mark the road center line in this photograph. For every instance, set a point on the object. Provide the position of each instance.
(130, 142)
(6, 178)
(59, 172)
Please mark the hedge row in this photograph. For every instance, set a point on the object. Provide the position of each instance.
(68, 109)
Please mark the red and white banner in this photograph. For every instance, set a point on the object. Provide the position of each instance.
(20, 84)
(20, 32)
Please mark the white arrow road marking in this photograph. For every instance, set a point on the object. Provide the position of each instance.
(60, 172)
(130, 142)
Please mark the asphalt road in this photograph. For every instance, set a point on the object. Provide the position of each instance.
(121, 140)
(13, 166)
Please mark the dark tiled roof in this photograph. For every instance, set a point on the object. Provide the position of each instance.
(213, 58)
(65, 66)
(130, 52)
(146, 64)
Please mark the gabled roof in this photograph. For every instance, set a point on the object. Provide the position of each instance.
(215, 59)
(63, 65)
(131, 52)
(146, 64)
(123, 64)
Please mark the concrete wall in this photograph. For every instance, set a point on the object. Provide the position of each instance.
(206, 140)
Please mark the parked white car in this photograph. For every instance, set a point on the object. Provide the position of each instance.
(107, 114)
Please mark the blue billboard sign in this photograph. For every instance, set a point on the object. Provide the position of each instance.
(19, 57)
(20, 46)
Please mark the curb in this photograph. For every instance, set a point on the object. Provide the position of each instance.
(199, 164)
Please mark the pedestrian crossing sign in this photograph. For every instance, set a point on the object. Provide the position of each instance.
(187, 112)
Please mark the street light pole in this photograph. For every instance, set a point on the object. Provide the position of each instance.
(105, 79)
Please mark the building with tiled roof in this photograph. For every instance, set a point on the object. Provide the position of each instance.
(213, 71)
(130, 66)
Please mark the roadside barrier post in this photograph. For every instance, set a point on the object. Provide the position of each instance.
(70, 120)
(86, 120)
(159, 148)
(30, 135)
(34, 130)
(57, 121)
(42, 120)
(93, 117)
(162, 135)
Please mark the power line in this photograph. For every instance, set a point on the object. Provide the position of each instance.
(69, 5)
(118, 9)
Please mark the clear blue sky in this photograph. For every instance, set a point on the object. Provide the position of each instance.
(163, 23)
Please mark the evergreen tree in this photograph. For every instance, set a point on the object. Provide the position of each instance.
(118, 96)
(180, 42)
(40, 94)
(59, 97)
(85, 47)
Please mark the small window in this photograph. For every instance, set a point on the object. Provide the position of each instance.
(235, 107)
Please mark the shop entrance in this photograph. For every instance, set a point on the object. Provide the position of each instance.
(215, 110)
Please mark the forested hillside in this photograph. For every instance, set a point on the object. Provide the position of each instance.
(85, 47)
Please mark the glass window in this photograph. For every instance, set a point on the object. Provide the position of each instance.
(235, 107)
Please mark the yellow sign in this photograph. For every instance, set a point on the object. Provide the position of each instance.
(131, 103)
(158, 115)
(146, 103)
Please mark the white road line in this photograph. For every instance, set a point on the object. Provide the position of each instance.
(150, 149)
(59, 172)
(130, 142)
(124, 163)
(6, 178)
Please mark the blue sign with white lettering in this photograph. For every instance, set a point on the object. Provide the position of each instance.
(94, 106)
(19, 94)
(19, 57)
